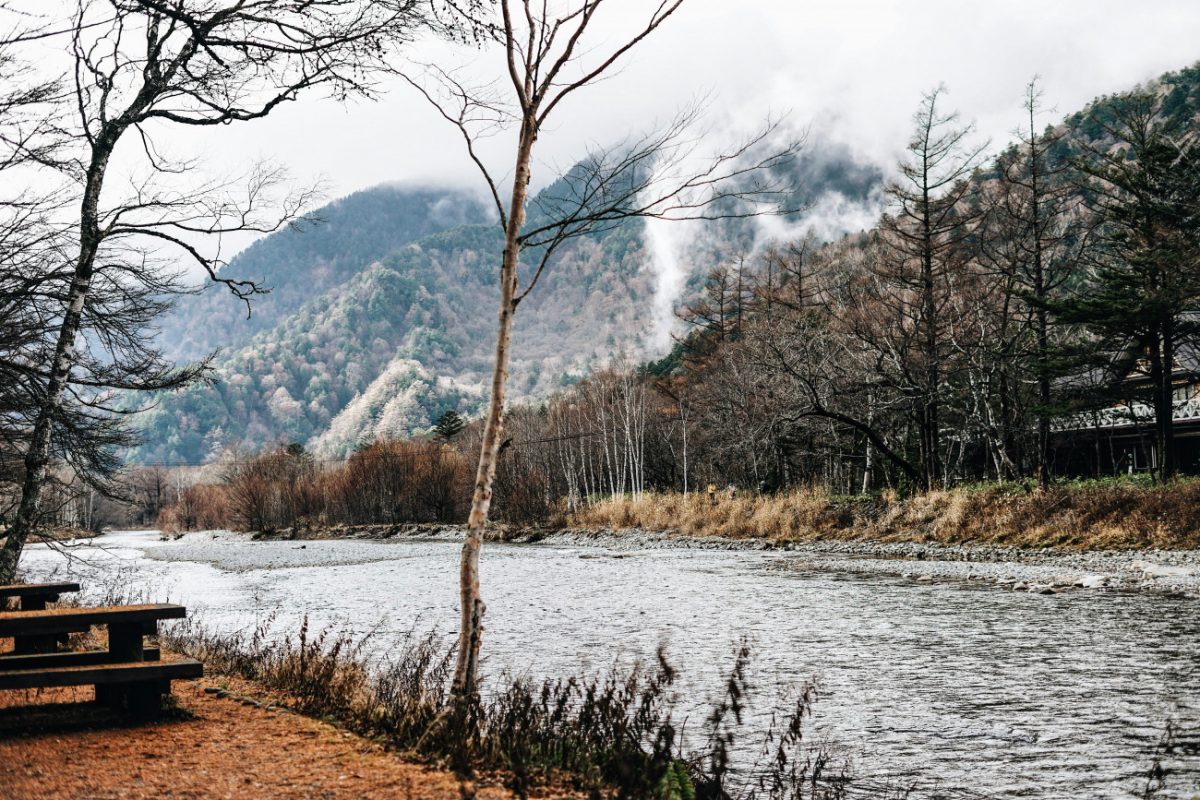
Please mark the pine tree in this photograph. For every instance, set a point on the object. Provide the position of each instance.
(1143, 294)
(449, 425)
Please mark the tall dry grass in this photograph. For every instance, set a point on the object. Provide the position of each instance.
(1110, 514)
(797, 514)
(613, 735)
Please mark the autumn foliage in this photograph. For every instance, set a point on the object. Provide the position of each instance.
(386, 482)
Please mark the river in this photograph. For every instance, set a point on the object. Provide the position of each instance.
(999, 693)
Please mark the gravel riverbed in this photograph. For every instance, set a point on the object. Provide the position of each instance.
(1046, 570)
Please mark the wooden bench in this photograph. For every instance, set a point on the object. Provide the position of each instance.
(137, 687)
(77, 658)
(127, 675)
(35, 596)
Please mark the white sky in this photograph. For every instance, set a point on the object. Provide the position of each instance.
(854, 70)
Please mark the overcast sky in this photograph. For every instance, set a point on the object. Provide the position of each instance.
(854, 70)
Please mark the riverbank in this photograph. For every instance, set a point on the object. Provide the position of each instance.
(992, 691)
(1095, 515)
(225, 738)
(1042, 570)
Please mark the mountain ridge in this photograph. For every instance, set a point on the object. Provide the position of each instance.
(346, 324)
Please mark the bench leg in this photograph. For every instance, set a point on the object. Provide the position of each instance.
(110, 696)
(114, 696)
(125, 643)
(144, 700)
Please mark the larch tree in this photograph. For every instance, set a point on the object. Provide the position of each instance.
(928, 219)
(549, 55)
(1036, 236)
(139, 66)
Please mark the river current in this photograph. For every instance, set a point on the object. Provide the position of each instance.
(968, 691)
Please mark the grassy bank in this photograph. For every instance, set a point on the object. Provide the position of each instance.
(611, 736)
(1104, 514)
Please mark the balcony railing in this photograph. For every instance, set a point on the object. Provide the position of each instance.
(1126, 416)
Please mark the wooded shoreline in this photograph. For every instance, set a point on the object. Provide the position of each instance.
(1081, 516)
(1095, 537)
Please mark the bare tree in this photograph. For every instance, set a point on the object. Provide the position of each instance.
(930, 211)
(1036, 235)
(548, 58)
(141, 64)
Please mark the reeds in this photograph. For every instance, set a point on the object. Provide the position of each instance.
(612, 735)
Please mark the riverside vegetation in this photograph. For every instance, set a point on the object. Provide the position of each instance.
(780, 379)
(992, 325)
(616, 735)
(414, 482)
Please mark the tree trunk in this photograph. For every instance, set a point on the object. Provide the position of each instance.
(37, 457)
(464, 687)
(1164, 411)
(930, 427)
(1043, 346)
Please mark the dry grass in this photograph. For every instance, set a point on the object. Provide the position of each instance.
(1087, 515)
(612, 735)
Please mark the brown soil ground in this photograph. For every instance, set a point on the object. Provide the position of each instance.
(54, 746)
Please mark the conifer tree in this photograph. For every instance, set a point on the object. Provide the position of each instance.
(449, 425)
(1142, 297)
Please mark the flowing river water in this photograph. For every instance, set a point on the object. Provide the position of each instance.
(977, 691)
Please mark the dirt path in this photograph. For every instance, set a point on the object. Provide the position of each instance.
(216, 747)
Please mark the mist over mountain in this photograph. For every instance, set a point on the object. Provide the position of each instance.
(380, 315)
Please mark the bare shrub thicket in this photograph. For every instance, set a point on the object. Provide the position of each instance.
(388, 482)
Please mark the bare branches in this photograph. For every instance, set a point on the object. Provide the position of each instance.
(476, 114)
(670, 173)
(550, 95)
(650, 176)
(138, 64)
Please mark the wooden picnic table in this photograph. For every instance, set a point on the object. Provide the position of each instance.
(127, 675)
(126, 624)
(35, 596)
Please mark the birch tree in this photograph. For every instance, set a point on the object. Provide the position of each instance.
(549, 54)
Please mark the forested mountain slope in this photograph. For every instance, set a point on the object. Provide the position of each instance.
(382, 317)
(298, 264)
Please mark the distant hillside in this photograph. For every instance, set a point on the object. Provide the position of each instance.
(315, 255)
(382, 317)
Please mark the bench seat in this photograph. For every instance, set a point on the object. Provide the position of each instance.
(153, 672)
(133, 687)
(36, 589)
(70, 620)
(69, 659)
(34, 596)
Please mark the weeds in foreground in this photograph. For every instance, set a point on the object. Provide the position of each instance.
(613, 735)
(1175, 742)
